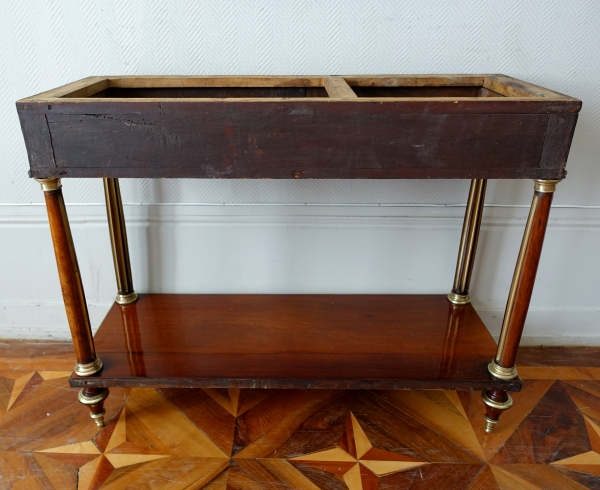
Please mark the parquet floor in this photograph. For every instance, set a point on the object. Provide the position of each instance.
(298, 439)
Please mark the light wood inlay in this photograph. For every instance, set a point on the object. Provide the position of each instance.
(361, 440)
(288, 475)
(380, 462)
(18, 386)
(298, 439)
(428, 406)
(589, 458)
(55, 374)
(86, 447)
(336, 454)
(353, 479)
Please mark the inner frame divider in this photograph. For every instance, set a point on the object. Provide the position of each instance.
(338, 88)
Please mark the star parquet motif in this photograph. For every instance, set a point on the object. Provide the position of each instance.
(354, 453)
(231, 439)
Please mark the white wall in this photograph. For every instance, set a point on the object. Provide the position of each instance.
(256, 236)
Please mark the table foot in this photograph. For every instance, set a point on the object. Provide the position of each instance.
(496, 402)
(94, 399)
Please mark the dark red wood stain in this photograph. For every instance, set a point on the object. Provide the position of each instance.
(294, 341)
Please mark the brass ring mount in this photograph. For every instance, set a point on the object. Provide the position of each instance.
(500, 372)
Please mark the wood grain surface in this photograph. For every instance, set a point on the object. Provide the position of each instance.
(295, 341)
(300, 127)
(231, 439)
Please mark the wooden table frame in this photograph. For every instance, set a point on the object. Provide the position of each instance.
(422, 126)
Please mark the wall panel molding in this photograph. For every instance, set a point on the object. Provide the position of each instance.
(303, 249)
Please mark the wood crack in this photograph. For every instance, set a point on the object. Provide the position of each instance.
(51, 141)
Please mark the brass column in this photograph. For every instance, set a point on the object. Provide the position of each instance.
(118, 241)
(503, 365)
(468, 243)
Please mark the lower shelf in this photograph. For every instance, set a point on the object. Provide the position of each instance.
(295, 341)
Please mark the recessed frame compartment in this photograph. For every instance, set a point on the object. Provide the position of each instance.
(440, 86)
(389, 87)
(206, 88)
(209, 88)
(291, 127)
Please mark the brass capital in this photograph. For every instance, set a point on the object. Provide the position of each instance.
(458, 299)
(88, 369)
(500, 372)
(490, 424)
(541, 185)
(48, 185)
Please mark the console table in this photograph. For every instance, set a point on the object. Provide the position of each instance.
(475, 127)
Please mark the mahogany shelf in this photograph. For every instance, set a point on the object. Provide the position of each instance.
(295, 341)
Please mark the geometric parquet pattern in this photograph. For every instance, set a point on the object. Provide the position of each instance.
(295, 439)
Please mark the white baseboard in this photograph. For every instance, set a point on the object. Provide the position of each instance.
(551, 327)
(42, 321)
(302, 249)
(544, 327)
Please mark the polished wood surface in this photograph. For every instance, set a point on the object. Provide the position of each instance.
(70, 278)
(232, 439)
(524, 280)
(358, 127)
(299, 341)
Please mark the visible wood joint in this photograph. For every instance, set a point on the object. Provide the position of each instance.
(337, 88)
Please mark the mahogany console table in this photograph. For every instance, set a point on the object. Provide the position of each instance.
(475, 127)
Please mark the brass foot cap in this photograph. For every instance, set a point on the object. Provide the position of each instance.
(126, 299)
(503, 373)
(98, 418)
(88, 369)
(458, 299)
(490, 424)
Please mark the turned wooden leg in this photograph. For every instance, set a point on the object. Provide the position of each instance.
(118, 241)
(94, 399)
(496, 401)
(87, 362)
(70, 280)
(468, 243)
(503, 365)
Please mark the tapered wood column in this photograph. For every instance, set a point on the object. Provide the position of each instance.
(503, 366)
(70, 280)
(118, 241)
(468, 243)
